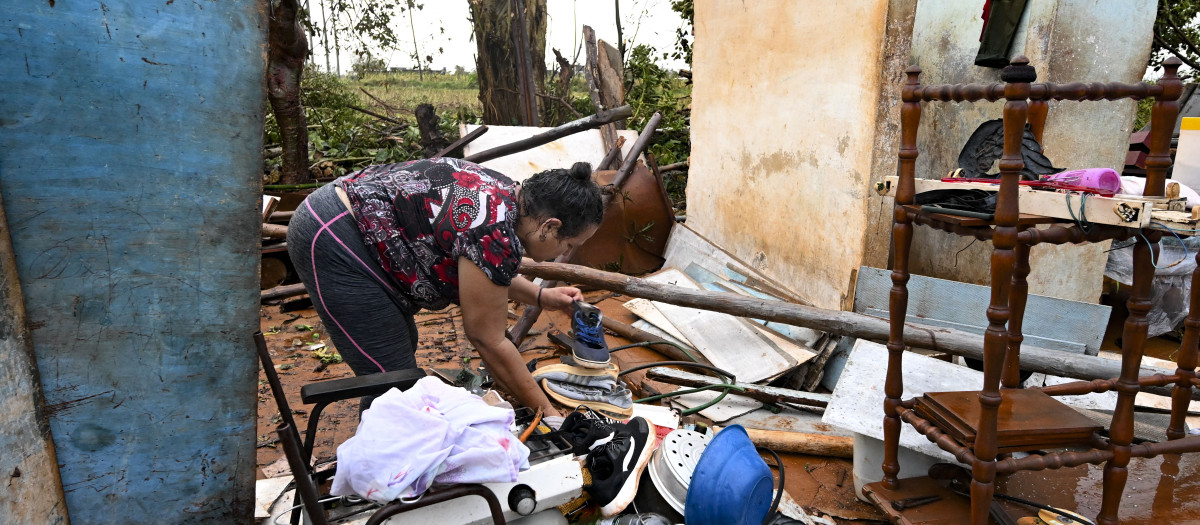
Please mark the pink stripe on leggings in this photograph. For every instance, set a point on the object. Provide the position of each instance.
(317, 281)
(348, 250)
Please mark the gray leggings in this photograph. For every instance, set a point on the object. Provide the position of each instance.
(358, 301)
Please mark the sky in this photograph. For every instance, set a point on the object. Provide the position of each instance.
(649, 22)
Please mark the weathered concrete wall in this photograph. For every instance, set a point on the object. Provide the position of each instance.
(130, 166)
(28, 471)
(1067, 41)
(789, 129)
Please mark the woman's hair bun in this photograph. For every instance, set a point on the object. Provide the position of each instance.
(581, 171)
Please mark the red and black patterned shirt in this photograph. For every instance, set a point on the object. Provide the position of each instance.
(421, 216)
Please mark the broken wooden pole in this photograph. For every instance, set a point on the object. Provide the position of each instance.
(274, 231)
(575, 126)
(638, 335)
(678, 166)
(802, 443)
(1053, 362)
(766, 394)
(611, 156)
(463, 141)
(639, 145)
(282, 292)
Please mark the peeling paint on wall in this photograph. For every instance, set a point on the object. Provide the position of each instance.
(130, 172)
(784, 130)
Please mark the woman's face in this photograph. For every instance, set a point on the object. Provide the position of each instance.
(554, 246)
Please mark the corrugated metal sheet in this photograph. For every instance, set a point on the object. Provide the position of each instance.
(130, 157)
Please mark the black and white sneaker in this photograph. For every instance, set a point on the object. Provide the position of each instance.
(586, 429)
(616, 466)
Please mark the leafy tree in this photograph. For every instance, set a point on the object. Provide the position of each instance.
(685, 34)
(1177, 32)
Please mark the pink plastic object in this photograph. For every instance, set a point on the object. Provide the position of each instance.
(1103, 179)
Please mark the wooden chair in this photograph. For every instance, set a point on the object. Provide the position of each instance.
(299, 454)
(979, 427)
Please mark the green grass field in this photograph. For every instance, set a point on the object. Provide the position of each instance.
(402, 92)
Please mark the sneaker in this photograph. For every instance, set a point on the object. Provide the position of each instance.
(617, 465)
(596, 388)
(589, 350)
(586, 429)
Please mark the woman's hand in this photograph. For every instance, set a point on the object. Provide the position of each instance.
(560, 298)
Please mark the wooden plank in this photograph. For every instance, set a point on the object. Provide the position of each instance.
(646, 310)
(802, 443)
(730, 343)
(135, 249)
(798, 335)
(1097, 209)
(686, 247)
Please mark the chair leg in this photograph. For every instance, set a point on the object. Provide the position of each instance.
(894, 384)
(438, 496)
(310, 498)
(310, 433)
(1134, 337)
(1181, 396)
(1018, 295)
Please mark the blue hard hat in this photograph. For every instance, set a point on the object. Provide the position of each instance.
(732, 485)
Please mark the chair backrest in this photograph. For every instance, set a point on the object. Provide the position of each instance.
(1026, 102)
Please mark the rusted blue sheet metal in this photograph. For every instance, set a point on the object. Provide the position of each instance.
(130, 157)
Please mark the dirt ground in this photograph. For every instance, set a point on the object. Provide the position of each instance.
(815, 482)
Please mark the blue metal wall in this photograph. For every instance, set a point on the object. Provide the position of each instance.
(130, 157)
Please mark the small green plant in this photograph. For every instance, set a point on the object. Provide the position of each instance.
(327, 356)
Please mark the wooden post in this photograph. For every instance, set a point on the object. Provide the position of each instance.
(902, 233)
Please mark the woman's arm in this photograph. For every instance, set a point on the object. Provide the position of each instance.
(485, 315)
(558, 298)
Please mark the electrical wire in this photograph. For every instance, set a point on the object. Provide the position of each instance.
(779, 493)
(1081, 221)
(725, 386)
(1153, 262)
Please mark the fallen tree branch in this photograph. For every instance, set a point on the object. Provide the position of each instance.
(282, 292)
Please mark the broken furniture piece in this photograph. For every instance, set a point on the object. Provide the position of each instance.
(1012, 235)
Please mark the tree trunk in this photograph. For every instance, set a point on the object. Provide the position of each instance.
(432, 140)
(496, 61)
(286, 49)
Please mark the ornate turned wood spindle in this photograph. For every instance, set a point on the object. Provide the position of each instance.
(1162, 123)
(1017, 76)
(902, 232)
(1162, 119)
(1181, 395)
(1127, 385)
(1011, 376)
